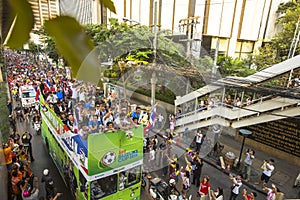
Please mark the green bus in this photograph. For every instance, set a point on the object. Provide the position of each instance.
(95, 166)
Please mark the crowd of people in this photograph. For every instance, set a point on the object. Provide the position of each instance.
(80, 105)
(23, 183)
(84, 110)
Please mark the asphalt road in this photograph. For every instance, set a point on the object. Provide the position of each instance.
(43, 161)
(217, 179)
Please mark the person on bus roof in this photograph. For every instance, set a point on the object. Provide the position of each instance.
(95, 125)
(109, 127)
(136, 114)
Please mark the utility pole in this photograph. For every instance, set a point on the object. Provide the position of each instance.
(153, 77)
(293, 47)
(189, 24)
(295, 40)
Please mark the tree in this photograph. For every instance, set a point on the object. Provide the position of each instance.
(229, 66)
(50, 47)
(135, 43)
(277, 49)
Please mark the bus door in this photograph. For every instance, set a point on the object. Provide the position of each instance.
(129, 183)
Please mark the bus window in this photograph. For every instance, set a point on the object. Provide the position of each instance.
(28, 94)
(129, 177)
(104, 187)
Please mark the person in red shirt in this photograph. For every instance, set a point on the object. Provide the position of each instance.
(15, 182)
(205, 188)
(250, 196)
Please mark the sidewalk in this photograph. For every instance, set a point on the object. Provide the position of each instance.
(283, 176)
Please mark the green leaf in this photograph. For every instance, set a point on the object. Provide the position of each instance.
(75, 46)
(109, 4)
(22, 24)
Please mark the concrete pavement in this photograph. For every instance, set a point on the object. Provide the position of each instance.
(217, 177)
(283, 176)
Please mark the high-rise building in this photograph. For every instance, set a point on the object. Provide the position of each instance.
(85, 11)
(238, 26)
(43, 10)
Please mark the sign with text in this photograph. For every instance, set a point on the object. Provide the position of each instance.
(112, 150)
(282, 134)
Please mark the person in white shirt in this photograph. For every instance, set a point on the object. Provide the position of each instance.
(198, 138)
(75, 95)
(81, 94)
(122, 122)
(237, 183)
(248, 163)
(108, 117)
(267, 173)
(151, 157)
(249, 100)
(160, 119)
(51, 98)
(218, 195)
(238, 102)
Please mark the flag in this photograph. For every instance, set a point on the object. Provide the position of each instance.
(75, 123)
(151, 122)
(37, 95)
(46, 86)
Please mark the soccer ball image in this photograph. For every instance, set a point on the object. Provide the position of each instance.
(129, 134)
(108, 158)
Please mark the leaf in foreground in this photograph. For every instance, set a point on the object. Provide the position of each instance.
(21, 26)
(75, 46)
(109, 4)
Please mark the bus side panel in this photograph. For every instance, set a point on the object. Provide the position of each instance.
(55, 151)
(132, 192)
(65, 167)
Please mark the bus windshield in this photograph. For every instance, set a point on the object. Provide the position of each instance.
(104, 187)
(29, 94)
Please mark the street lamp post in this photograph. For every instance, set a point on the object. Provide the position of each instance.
(105, 80)
(245, 133)
(121, 64)
(153, 85)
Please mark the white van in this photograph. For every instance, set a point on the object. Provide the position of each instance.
(27, 95)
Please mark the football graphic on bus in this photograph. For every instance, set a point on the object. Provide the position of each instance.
(108, 158)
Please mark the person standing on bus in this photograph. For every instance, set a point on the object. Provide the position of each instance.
(51, 98)
(109, 127)
(95, 125)
(49, 184)
(136, 114)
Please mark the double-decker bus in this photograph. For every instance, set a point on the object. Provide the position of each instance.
(95, 166)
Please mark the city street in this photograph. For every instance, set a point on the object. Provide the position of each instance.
(217, 178)
(43, 161)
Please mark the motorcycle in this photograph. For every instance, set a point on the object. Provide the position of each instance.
(37, 127)
(145, 178)
(160, 190)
